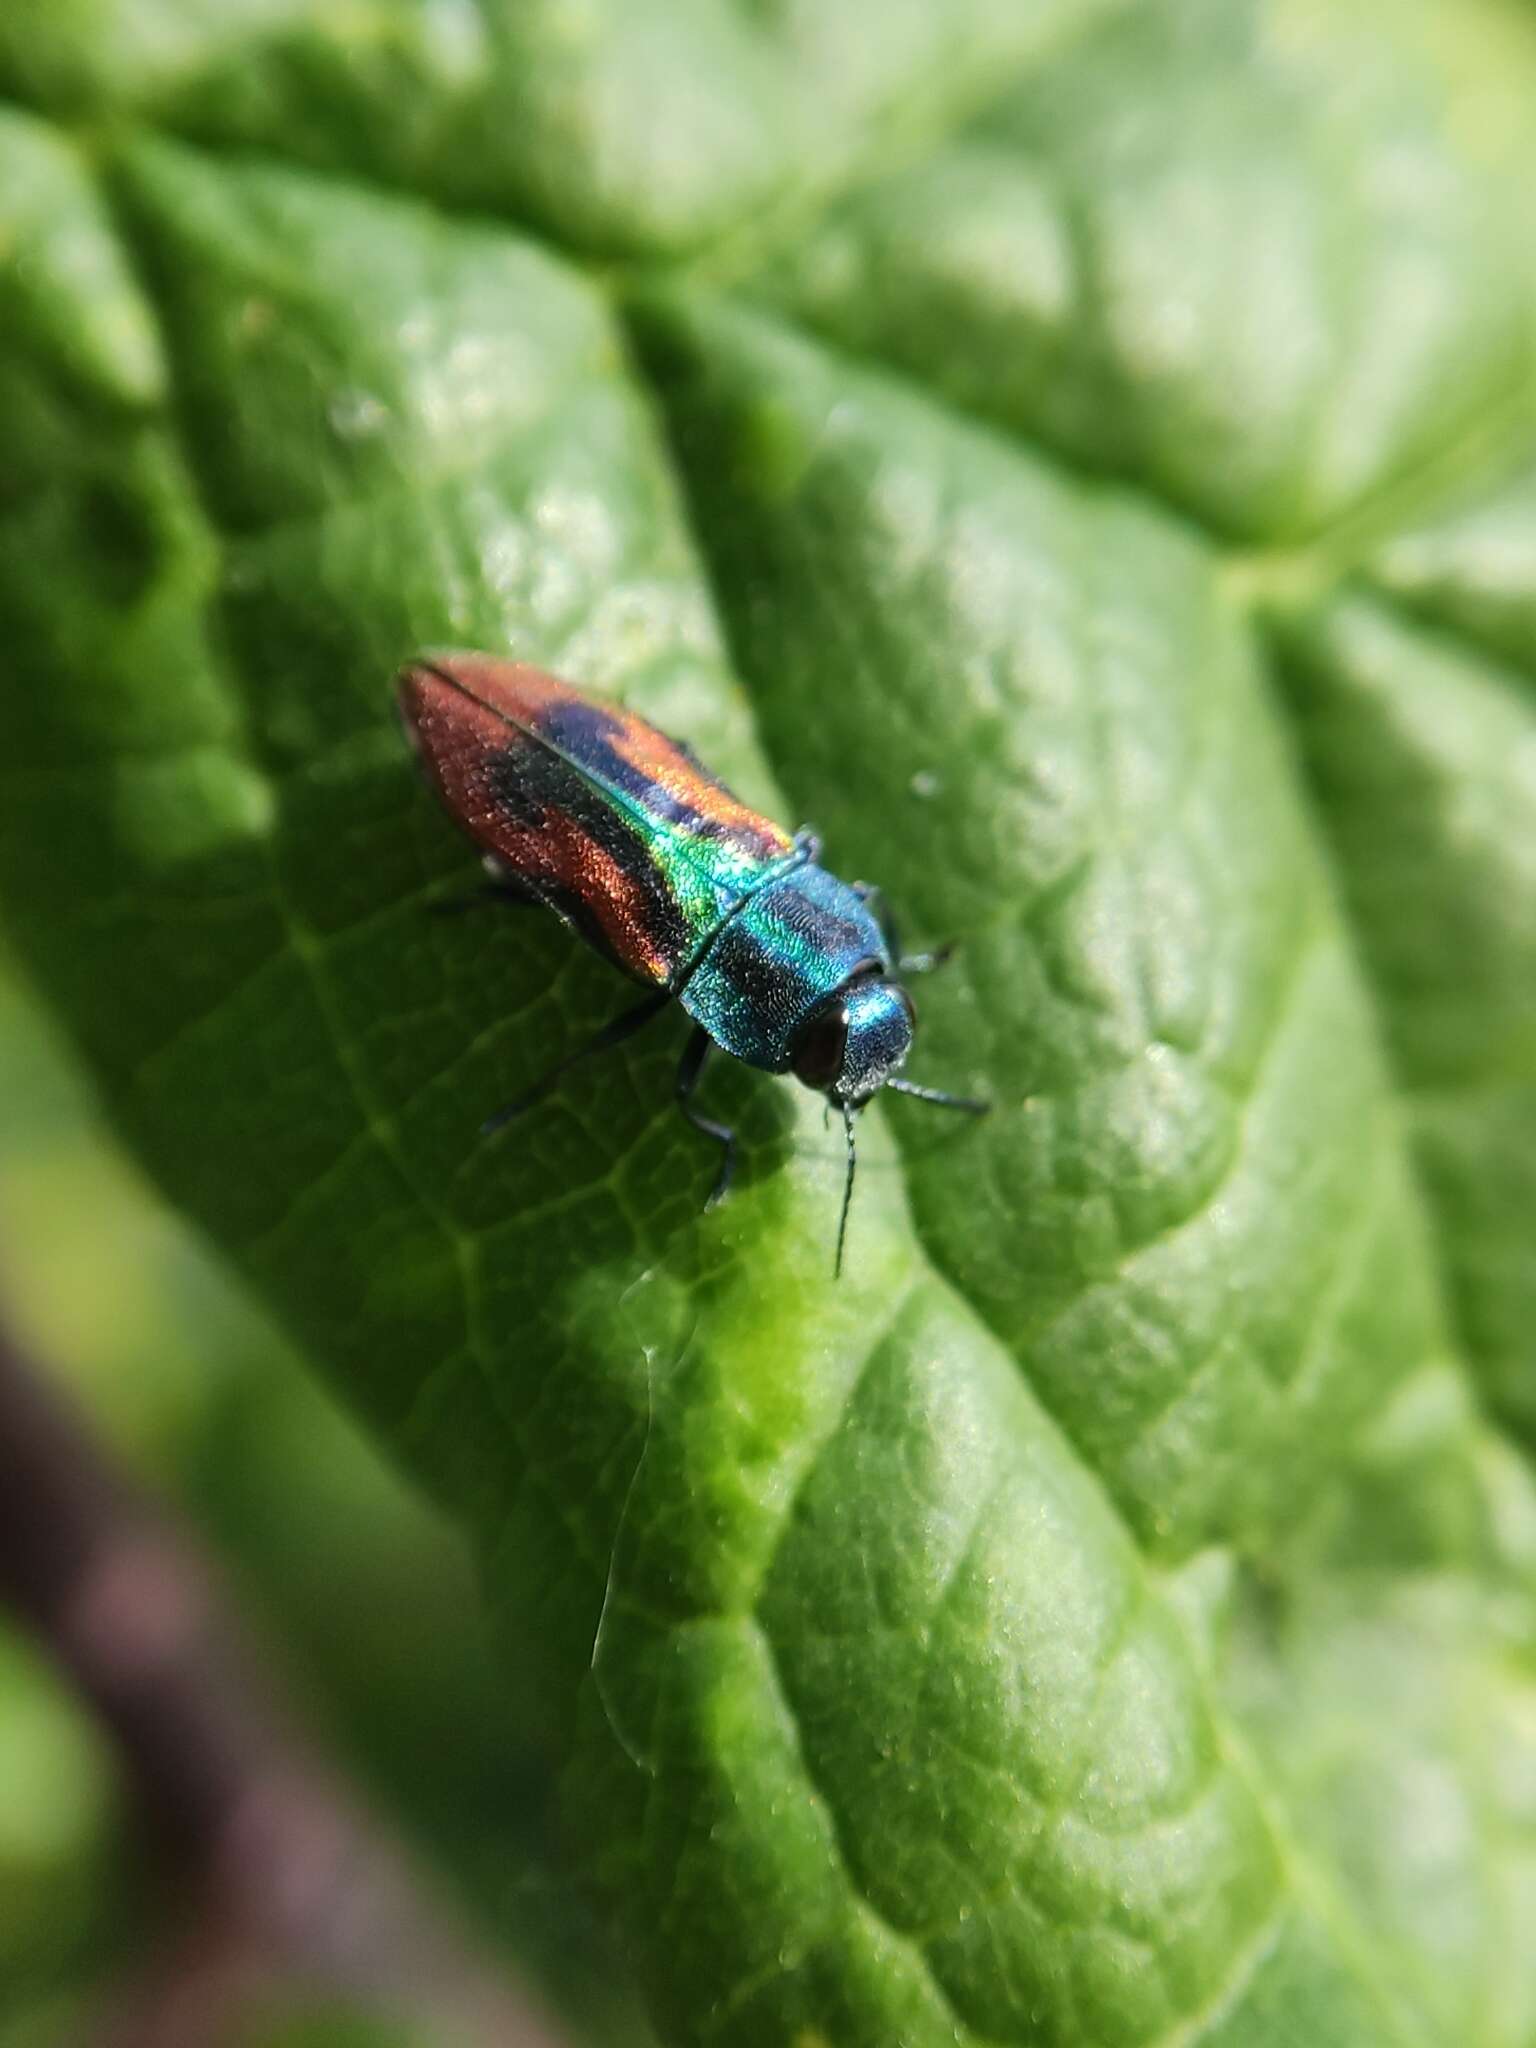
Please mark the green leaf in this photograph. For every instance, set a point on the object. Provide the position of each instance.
(1269, 260)
(1107, 1616)
(1422, 754)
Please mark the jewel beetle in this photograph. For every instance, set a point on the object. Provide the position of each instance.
(580, 805)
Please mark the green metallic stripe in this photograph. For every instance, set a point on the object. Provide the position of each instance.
(800, 855)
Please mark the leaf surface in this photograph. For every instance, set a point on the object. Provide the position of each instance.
(1080, 459)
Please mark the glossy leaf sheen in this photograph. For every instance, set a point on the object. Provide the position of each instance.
(1080, 458)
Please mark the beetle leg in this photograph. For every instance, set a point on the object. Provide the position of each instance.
(507, 893)
(925, 963)
(906, 963)
(612, 1034)
(689, 1068)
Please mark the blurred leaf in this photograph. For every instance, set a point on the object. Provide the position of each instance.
(336, 1559)
(1107, 1616)
(56, 1812)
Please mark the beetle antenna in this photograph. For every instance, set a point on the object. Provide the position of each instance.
(969, 1103)
(846, 1186)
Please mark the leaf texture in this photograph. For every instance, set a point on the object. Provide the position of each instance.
(1078, 457)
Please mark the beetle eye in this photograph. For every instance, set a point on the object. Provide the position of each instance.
(821, 1046)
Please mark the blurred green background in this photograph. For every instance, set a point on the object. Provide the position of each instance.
(365, 1600)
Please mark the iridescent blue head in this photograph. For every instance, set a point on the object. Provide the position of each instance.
(853, 1042)
(849, 1047)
